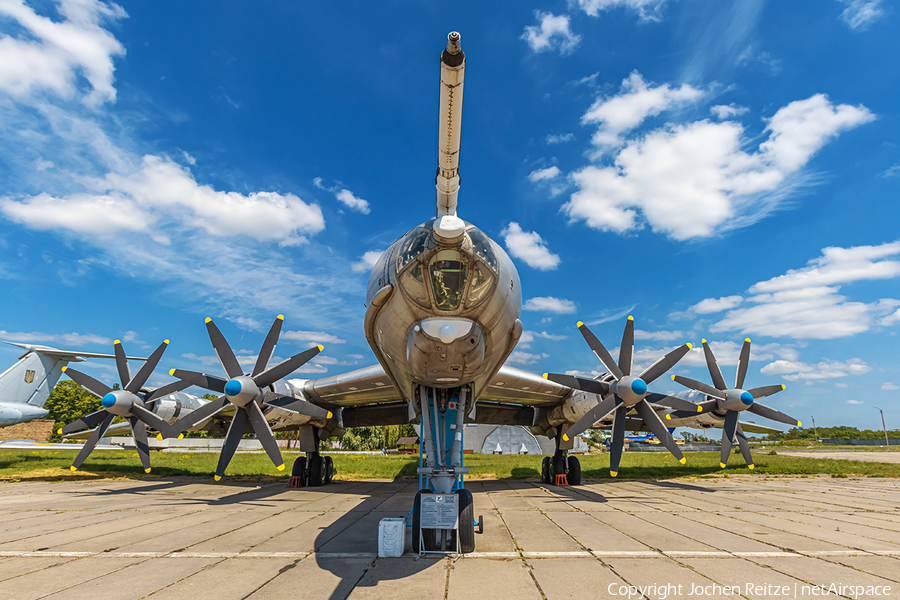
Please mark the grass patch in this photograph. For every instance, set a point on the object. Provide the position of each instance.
(44, 465)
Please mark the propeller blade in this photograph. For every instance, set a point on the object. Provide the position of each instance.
(731, 419)
(85, 422)
(603, 408)
(92, 441)
(149, 418)
(139, 432)
(264, 434)
(87, 382)
(770, 413)
(766, 390)
(674, 402)
(207, 382)
(618, 441)
(287, 367)
(743, 363)
(681, 414)
(626, 349)
(699, 386)
(714, 371)
(232, 439)
(745, 447)
(195, 417)
(146, 369)
(268, 347)
(579, 383)
(223, 350)
(600, 350)
(664, 364)
(168, 389)
(652, 420)
(122, 363)
(301, 407)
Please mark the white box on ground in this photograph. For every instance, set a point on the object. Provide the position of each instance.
(391, 537)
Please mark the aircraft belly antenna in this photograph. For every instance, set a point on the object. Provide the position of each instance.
(447, 225)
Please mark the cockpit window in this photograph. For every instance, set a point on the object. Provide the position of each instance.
(412, 246)
(482, 284)
(481, 245)
(413, 283)
(448, 271)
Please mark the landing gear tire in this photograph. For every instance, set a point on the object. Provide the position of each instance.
(466, 521)
(545, 470)
(316, 470)
(480, 524)
(329, 470)
(299, 471)
(429, 538)
(574, 477)
(559, 467)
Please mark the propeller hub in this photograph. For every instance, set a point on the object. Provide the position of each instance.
(119, 402)
(630, 389)
(737, 400)
(242, 390)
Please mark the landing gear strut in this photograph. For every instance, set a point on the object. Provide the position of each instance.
(441, 430)
(313, 469)
(561, 469)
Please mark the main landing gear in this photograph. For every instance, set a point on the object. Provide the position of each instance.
(312, 470)
(561, 469)
(441, 431)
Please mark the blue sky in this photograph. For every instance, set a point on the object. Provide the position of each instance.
(719, 170)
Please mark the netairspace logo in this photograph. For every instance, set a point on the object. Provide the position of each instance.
(797, 591)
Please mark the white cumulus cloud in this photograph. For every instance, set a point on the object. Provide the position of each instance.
(890, 386)
(544, 174)
(550, 304)
(347, 198)
(311, 337)
(860, 14)
(713, 305)
(826, 369)
(698, 179)
(726, 111)
(525, 358)
(648, 10)
(367, 261)
(552, 33)
(530, 247)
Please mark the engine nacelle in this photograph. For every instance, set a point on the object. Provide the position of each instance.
(168, 409)
(576, 406)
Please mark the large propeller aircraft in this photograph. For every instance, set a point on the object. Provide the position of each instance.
(443, 306)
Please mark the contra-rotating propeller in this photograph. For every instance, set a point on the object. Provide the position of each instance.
(247, 393)
(624, 393)
(129, 402)
(733, 401)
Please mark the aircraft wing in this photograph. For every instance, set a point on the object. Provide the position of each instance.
(371, 385)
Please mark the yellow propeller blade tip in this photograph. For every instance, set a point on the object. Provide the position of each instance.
(579, 324)
(546, 375)
(166, 342)
(699, 408)
(280, 467)
(751, 467)
(73, 468)
(328, 416)
(320, 347)
(783, 387)
(217, 477)
(147, 470)
(565, 438)
(683, 460)
(668, 417)
(630, 318)
(799, 424)
(689, 345)
(673, 378)
(116, 342)
(64, 369)
(703, 341)
(180, 436)
(747, 340)
(59, 431)
(722, 465)
(280, 317)
(207, 320)
(159, 436)
(613, 473)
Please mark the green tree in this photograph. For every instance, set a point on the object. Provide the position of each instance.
(67, 403)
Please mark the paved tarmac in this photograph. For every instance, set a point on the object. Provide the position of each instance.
(186, 538)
